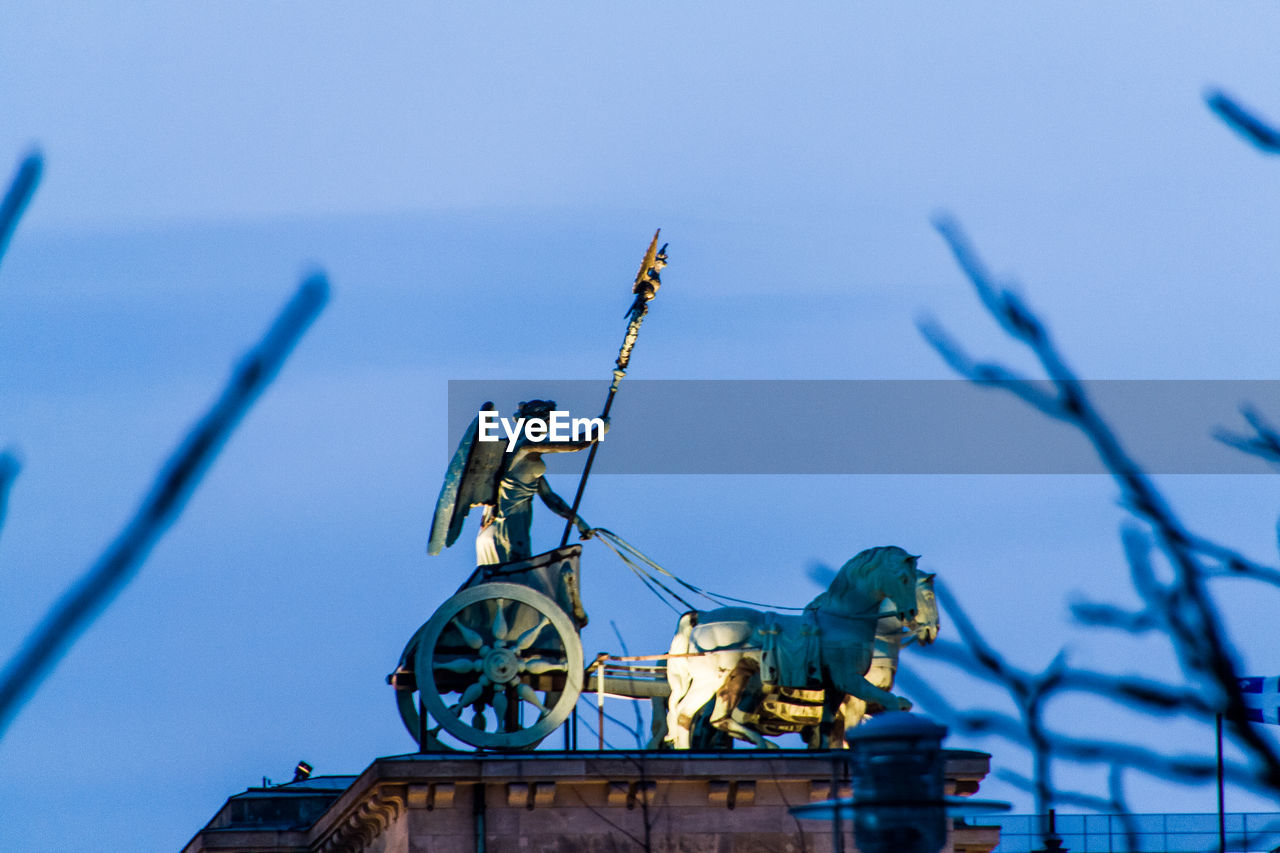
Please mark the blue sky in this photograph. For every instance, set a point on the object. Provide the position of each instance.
(479, 183)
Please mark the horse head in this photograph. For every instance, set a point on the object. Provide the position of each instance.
(926, 624)
(885, 572)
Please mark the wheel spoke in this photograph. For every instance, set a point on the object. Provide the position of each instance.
(540, 666)
(474, 692)
(460, 665)
(527, 694)
(500, 622)
(526, 639)
(500, 708)
(470, 637)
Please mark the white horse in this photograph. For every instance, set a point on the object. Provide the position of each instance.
(891, 635)
(715, 655)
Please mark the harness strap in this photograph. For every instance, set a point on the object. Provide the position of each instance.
(617, 544)
(647, 579)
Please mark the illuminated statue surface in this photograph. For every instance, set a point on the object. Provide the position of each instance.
(749, 673)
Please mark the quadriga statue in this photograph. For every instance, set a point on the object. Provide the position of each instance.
(742, 673)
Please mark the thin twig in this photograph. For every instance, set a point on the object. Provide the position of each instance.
(1264, 443)
(117, 565)
(1243, 121)
(18, 197)
(1079, 799)
(1111, 806)
(1103, 615)
(1184, 768)
(599, 814)
(635, 706)
(1115, 785)
(1192, 622)
(616, 721)
(9, 468)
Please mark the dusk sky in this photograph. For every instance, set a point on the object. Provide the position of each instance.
(479, 182)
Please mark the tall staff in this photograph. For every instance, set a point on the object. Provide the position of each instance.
(645, 288)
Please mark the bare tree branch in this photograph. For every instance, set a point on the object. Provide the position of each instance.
(1112, 805)
(1137, 554)
(638, 731)
(1192, 622)
(617, 721)
(1254, 130)
(1109, 616)
(9, 468)
(987, 658)
(1115, 785)
(15, 202)
(639, 842)
(179, 477)
(19, 195)
(983, 723)
(988, 373)
(1152, 696)
(1079, 799)
(1264, 443)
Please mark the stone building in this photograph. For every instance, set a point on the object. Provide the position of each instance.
(564, 802)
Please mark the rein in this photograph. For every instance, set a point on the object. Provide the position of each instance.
(639, 563)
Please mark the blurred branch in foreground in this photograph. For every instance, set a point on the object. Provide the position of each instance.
(1182, 609)
(19, 195)
(1264, 443)
(1256, 131)
(179, 477)
(12, 207)
(9, 468)
(638, 731)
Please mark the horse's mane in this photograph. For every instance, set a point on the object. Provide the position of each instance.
(860, 566)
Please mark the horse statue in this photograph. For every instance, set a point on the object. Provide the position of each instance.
(891, 635)
(738, 672)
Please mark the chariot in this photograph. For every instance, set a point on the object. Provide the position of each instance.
(503, 647)
(499, 665)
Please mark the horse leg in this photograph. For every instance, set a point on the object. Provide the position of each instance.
(880, 675)
(735, 729)
(869, 693)
(658, 723)
(846, 673)
(839, 724)
(699, 695)
(737, 701)
(680, 681)
(831, 729)
(676, 735)
(703, 735)
(854, 710)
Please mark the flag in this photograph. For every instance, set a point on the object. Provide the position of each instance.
(1261, 699)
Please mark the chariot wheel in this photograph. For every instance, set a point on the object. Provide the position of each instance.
(498, 666)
